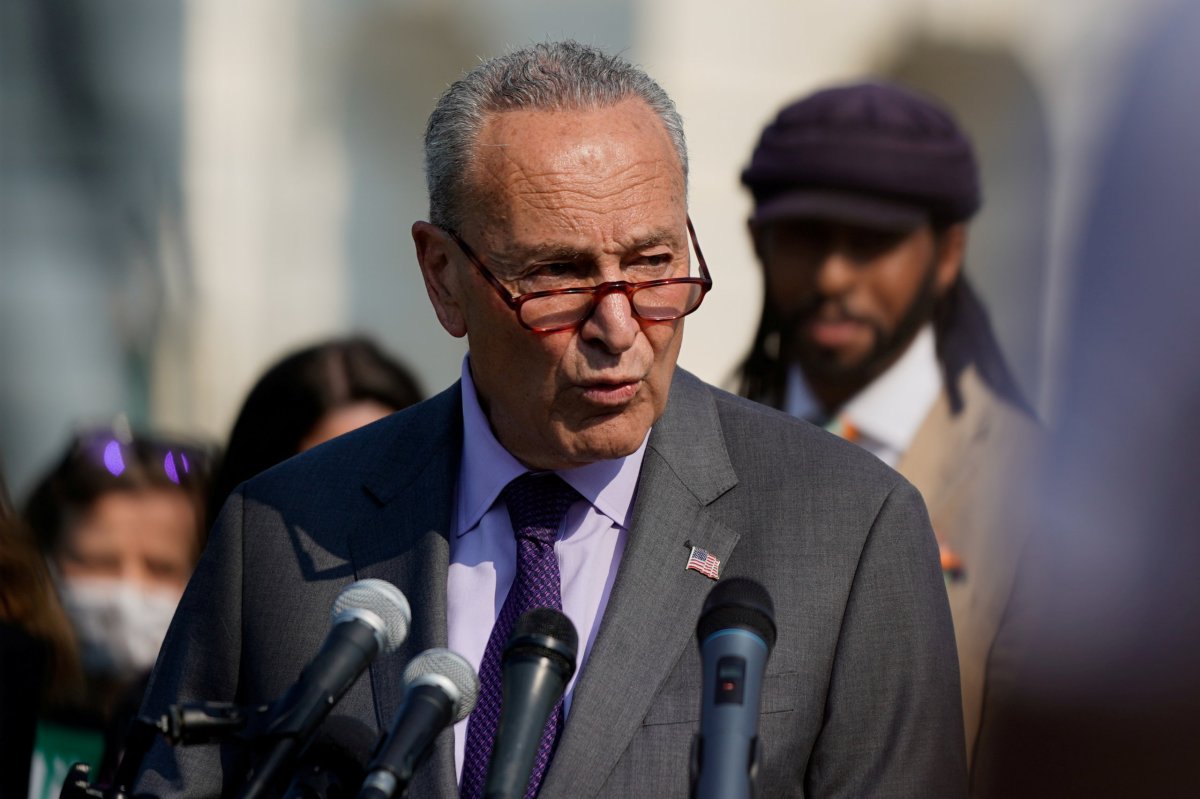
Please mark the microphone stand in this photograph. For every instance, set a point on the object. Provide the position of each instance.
(184, 724)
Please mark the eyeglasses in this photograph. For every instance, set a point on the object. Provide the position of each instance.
(553, 310)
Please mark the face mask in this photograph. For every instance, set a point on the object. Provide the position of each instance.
(120, 625)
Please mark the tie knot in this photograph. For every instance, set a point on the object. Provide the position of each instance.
(537, 504)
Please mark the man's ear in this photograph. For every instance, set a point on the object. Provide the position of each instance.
(951, 250)
(441, 276)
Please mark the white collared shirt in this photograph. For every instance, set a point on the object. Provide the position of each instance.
(889, 411)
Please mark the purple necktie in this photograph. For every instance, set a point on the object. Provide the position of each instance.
(536, 504)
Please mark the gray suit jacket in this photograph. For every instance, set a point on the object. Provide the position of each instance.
(861, 696)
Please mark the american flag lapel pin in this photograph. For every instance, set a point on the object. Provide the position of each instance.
(705, 562)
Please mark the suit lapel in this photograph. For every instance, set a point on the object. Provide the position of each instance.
(406, 543)
(945, 442)
(655, 601)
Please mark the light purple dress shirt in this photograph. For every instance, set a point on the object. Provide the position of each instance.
(483, 551)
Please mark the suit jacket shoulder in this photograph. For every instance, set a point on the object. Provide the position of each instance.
(861, 692)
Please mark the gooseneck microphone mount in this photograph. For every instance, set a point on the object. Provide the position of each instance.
(369, 617)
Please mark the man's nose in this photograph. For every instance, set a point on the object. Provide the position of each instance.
(835, 273)
(612, 324)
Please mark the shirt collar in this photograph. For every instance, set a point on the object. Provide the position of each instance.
(891, 409)
(487, 467)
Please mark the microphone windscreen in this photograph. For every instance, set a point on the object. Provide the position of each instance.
(452, 672)
(546, 621)
(382, 599)
(546, 632)
(738, 602)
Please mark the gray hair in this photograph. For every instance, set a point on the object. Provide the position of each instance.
(552, 76)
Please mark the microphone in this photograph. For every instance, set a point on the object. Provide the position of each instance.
(332, 766)
(369, 616)
(736, 632)
(538, 662)
(441, 688)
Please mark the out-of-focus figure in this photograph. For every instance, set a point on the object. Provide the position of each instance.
(862, 195)
(119, 521)
(307, 398)
(38, 660)
(6, 507)
(1094, 683)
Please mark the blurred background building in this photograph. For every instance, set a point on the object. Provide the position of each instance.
(188, 190)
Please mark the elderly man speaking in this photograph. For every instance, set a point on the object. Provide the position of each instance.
(558, 244)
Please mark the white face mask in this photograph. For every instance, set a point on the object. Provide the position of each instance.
(120, 625)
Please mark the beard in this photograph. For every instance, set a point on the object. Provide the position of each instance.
(827, 365)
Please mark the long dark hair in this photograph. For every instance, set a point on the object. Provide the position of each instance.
(291, 397)
(763, 374)
(964, 337)
(29, 603)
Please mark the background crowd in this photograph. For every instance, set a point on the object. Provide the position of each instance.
(170, 231)
(95, 563)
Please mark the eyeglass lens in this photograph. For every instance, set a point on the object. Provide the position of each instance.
(653, 303)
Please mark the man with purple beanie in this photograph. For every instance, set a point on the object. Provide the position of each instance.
(862, 195)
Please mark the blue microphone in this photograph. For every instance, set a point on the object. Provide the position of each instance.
(736, 632)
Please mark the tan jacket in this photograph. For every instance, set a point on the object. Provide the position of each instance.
(966, 466)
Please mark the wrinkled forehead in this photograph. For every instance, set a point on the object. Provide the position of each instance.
(591, 161)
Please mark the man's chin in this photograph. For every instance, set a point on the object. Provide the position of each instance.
(602, 440)
(834, 366)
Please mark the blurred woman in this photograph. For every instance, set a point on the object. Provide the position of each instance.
(307, 398)
(118, 521)
(38, 660)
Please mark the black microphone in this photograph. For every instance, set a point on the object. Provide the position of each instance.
(369, 617)
(736, 632)
(440, 689)
(332, 766)
(539, 661)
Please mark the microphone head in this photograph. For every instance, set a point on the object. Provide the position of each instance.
(738, 602)
(548, 633)
(379, 604)
(451, 672)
